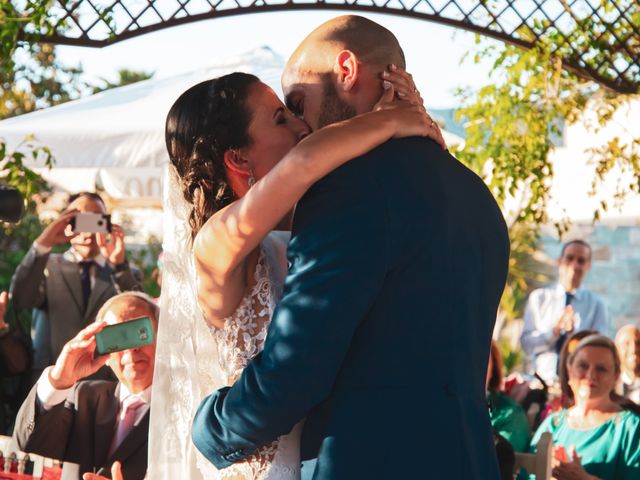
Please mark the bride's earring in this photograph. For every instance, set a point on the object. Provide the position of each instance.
(251, 181)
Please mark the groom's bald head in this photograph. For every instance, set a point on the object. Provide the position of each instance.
(372, 43)
(343, 57)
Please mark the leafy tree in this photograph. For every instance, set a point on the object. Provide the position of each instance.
(15, 239)
(31, 78)
(512, 122)
(26, 23)
(30, 75)
(38, 81)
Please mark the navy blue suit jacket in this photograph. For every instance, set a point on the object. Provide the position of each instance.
(381, 339)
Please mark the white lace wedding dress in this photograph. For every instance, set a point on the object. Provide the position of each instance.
(241, 339)
(193, 361)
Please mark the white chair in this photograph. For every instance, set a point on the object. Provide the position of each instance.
(539, 463)
(38, 461)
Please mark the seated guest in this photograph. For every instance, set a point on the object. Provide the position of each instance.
(13, 348)
(66, 290)
(628, 343)
(14, 360)
(508, 418)
(599, 435)
(565, 400)
(89, 424)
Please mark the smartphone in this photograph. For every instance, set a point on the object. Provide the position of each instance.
(91, 223)
(122, 336)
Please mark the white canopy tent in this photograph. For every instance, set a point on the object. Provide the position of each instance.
(115, 139)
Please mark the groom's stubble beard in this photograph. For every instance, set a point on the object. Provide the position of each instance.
(333, 109)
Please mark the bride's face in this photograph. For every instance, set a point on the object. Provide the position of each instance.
(274, 130)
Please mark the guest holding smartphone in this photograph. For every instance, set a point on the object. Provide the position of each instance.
(66, 290)
(90, 424)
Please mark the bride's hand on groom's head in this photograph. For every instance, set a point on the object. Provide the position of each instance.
(399, 92)
(412, 120)
(403, 84)
(408, 120)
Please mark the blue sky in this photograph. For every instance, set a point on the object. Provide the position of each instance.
(433, 51)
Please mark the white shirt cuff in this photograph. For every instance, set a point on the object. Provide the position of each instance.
(550, 337)
(49, 397)
(41, 249)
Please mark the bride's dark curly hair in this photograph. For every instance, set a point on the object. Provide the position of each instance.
(203, 123)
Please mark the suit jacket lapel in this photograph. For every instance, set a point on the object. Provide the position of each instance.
(101, 285)
(71, 276)
(105, 427)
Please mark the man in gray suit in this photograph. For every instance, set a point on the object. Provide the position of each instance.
(89, 424)
(66, 290)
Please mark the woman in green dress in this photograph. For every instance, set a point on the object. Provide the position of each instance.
(598, 437)
(507, 416)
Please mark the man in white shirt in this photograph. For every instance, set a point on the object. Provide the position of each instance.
(555, 312)
(628, 345)
(66, 290)
(89, 424)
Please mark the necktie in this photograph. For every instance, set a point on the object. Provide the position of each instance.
(85, 281)
(568, 297)
(126, 418)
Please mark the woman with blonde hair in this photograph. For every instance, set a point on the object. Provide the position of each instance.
(598, 437)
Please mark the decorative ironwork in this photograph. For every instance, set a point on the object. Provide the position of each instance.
(609, 53)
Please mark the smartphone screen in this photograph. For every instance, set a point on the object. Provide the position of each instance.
(123, 336)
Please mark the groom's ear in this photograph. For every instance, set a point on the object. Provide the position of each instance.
(346, 69)
(235, 162)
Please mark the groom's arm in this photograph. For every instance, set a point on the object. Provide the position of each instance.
(338, 254)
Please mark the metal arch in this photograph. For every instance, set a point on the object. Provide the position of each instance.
(611, 57)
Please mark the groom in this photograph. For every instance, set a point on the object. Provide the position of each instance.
(397, 261)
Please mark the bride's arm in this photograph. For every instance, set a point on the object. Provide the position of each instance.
(229, 236)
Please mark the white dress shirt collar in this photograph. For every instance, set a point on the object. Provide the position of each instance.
(124, 392)
(560, 290)
(99, 258)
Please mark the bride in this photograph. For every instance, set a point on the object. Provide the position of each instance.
(241, 161)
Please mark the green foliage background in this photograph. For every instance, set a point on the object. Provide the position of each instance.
(511, 124)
